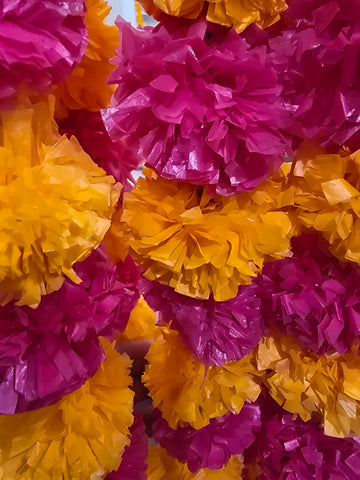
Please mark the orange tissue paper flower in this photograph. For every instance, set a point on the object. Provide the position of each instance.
(80, 437)
(87, 86)
(187, 392)
(200, 245)
(236, 13)
(327, 199)
(324, 388)
(141, 325)
(163, 467)
(55, 204)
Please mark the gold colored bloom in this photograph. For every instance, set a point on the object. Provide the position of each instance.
(200, 245)
(163, 467)
(302, 382)
(141, 324)
(327, 199)
(55, 204)
(236, 13)
(87, 86)
(185, 391)
(80, 437)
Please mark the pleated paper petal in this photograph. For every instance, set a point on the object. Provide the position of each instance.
(80, 437)
(40, 43)
(211, 446)
(52, 350)
(214, 332)
(312, 297)
(290, 448)
(116, 158)
(141, 325)
(190, 101)
(200, 245)
(163, 467)
(185, 392)
(133, 462)
(87, 88)
(327, 199)
(324, 388)
(55, 204)
(236, 13)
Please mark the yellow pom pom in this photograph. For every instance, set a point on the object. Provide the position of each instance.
(80, 437)
(311, 385)
(200, 245)
(185, 391)
(87, 86)
(327, 198)
(233, 13)
(141, 325)
(55, 204)
(163, 467)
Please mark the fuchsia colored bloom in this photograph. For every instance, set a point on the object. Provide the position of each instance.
(215, 332)
(40, 43)
(313, 297)
(52, 350)
(198, 104)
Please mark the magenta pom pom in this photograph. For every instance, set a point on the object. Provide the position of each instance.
(211, 446)
(317, 57)
(198, 105)
(52, 350)
(114, 157)
(215, 332)
(40, 43)
(294, 450)
(313, 297)
(133, 462)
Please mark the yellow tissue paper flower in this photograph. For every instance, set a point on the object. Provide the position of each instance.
(200, 245)
(313, 386)
(186, 392)
(163, 467)
(87, 86)
(232, 13)
(327, 199)
(141, 324)
(80, 437)
(55, 204)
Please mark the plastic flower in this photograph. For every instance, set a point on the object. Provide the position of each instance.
(190, 100)
(286, 446)
(211, 446)
(52, 350)
(312, 297)
(133, 462)
(185, 392)
(236, 13)
(163, 467)
(327, 199)
(313, 386)
(81, 436)
(141, 325)
(317, 57)
(55, 204)
(214, 332)
(87, 87)
(40, 44)
(115, 158)
(200, 245)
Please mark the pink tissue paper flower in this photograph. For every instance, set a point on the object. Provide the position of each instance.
(115, 157)
(215, 332)
(290, 449)
(41, 41)
(52, 350)
(211, 446)
(133, 462)
(312, 297)
(198, 104)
